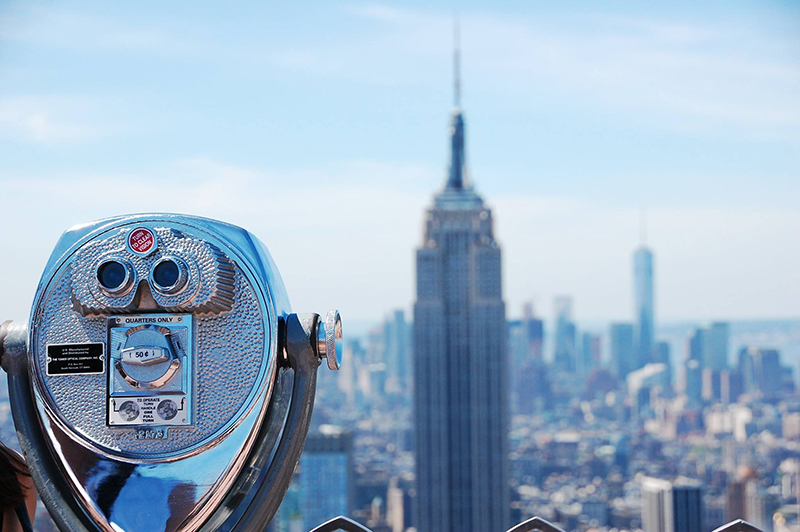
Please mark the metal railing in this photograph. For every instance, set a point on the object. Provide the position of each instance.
(534, 524)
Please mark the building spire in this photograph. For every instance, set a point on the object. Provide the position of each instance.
(456, 62)
(457, 176)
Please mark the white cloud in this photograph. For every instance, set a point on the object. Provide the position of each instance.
(685, 75)
(719, 78)
(45, 25)
(44, 119)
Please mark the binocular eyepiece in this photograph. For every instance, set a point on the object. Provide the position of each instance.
(163, 383)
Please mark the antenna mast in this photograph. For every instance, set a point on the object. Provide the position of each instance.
(457, 61)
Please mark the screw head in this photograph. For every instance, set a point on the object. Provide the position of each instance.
(329, 339)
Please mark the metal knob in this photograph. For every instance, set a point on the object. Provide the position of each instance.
(329, 339)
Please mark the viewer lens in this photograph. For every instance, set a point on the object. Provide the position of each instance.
(166, 274)
(169, 275)
(112, 275)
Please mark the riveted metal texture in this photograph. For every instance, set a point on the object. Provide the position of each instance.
(231, 337)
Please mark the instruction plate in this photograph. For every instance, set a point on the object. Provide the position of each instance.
(76, 359)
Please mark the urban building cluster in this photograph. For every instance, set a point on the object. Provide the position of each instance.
(457, 419)
(587, 450)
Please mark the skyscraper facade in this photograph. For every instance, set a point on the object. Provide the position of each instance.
(324, 483)
(694, 345)
(565, 344)
(672, 506)
(715, 349)
(693, 382)
(622, 348)
(589, 353)
(643, 301)
(460, 392)
(326, 478)
(396, 340)
(709, 346)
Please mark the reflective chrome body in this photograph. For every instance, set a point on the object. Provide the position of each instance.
(238, 368)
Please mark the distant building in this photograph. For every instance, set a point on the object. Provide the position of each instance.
(730, 384)
(347, 378)
(643, 303)
(694, 345)
(326, 476)
(709, 346)
(460, 361)
(712, 390)
(397, 352)
(643, 382)
(622, 348)
(744, 364)
(735, 500)
(767, 371)
(323, 485)
(715, 347)
(528, 337)
(672, 506)
(565, 341)
(763, 373)
(759, 506)
(589, 354)
(524, 343)
(398, 505)
(525, 337)
(693, 382)
(534, 392)
(662, 355)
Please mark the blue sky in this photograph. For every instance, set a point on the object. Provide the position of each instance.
(327, 122)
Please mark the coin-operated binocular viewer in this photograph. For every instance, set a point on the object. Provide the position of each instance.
(163, 383)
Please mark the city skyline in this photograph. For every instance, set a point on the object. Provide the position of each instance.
(698, 126)
(627, 397)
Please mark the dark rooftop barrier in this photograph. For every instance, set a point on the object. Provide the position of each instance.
(534, 524)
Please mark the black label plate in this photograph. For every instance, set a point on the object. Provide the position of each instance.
(75, 359)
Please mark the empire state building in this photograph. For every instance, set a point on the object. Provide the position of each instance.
(460, 393)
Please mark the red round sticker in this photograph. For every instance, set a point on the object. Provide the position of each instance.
(141, 240)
